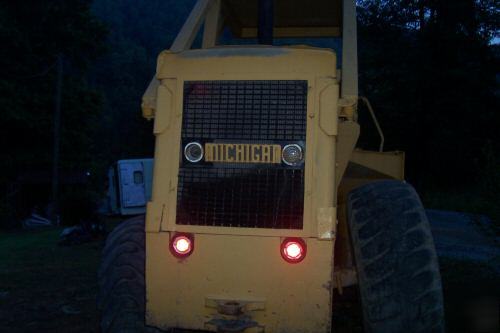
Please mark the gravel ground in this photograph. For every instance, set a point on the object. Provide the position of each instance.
(465, 237)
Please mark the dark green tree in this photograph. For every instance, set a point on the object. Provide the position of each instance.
(430, 68)
(32, 34)
(139, 31)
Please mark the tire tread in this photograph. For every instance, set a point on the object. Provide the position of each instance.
(121, 297)
(398, 271)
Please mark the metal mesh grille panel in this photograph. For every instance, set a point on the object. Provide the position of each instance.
(231, 197)
(244, 195)
(245, 110)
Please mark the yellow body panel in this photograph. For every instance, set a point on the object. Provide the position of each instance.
(281, 297)
(317, 66)
(244, 264)
(391, 163)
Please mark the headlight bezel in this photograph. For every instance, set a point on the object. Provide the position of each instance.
(189, 157)
(299, 149)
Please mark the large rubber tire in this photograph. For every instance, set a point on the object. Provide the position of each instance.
(121, 298)
(398, 271)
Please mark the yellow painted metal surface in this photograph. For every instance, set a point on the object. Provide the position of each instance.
(280, 297)
(244, 264)
(391, 163)
(317, 66)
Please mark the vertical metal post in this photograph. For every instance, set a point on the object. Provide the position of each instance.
(56, 138)
(212, 25)
(349, 84)
(266, 21)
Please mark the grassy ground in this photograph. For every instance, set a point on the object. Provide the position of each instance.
(48, 288)
(45, 287)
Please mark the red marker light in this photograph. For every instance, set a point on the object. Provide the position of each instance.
(293, 250)
(181, 245)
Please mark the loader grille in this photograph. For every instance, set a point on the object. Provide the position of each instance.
(242, 195)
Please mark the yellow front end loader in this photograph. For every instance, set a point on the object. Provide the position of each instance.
(263, 209)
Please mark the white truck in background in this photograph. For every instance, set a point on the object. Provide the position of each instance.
(129, 186)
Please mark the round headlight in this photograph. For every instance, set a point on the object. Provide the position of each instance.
(193, 152)
(292, 154)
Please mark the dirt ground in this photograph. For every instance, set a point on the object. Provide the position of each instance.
(45, 287)
(49, 288)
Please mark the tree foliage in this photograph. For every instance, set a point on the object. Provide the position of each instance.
(430, 68)
(139, 30)
(32, 34)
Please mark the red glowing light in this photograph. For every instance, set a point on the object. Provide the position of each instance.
(293, 250)
(181, 245)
